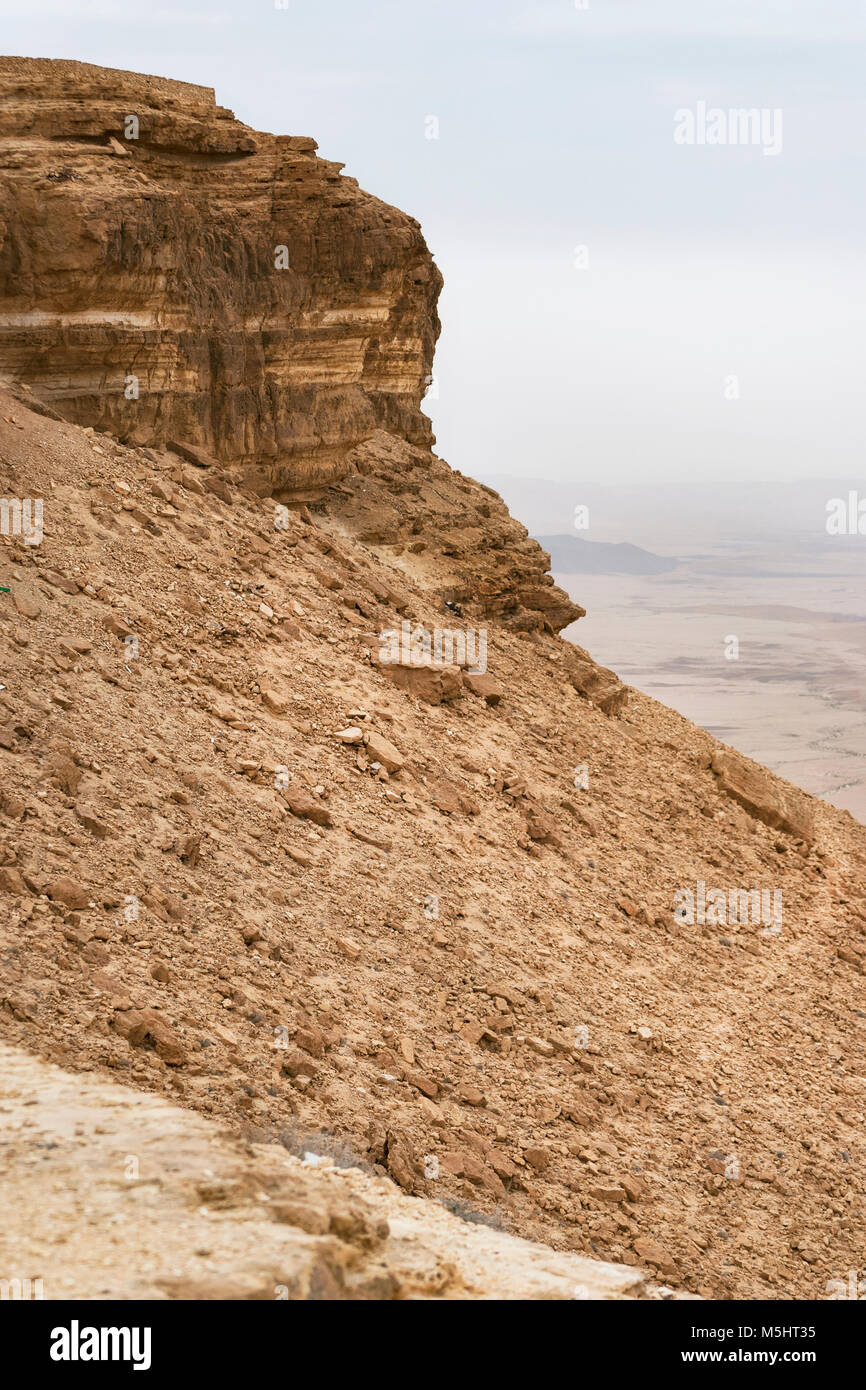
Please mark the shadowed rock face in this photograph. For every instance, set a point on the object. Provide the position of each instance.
(156, 258)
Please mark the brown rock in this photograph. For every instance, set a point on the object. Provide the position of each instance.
(307, 807)
(378, 841)
(595, 683)
(145, 1028)
(118, 625)
(273, 700)
(601, 1193)
(312, 1040)
(502, 989)
(449, 799)
(401, 1162)
(64, 772)
(189, 850)
(652, 1253)
(425, 1084)
(537, 1158)
(12, 882)
(379, 750)
(219, 487)
(91, 821)
(484, 686)
(434, 684)
(60, 581)
(764, 796)
(452, 1163)
(297, 1063)
(25, 600)
(193, 454)
(501, 1165)
(635, 1187)
(75, 646)
(95, 954)
(445, 797)
(474, 1170)
(540, 826)
(67, 891)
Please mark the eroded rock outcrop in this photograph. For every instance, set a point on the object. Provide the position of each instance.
(777, 804)
(404, 501)
(179, 280)
(202, 282)
(288, 1229)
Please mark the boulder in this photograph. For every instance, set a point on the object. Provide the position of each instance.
(307, 807)
(380, 750)
(146, 1028)
(483, 685)
(764, 796)
(435, 683)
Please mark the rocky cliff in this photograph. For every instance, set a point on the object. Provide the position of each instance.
(173, 277)
(169, 274)
(246, 864)
(595, 979)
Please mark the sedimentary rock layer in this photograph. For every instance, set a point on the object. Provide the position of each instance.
(167, 273)
(177, 279)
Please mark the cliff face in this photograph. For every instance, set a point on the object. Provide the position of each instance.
(229, 295)
(268, 309)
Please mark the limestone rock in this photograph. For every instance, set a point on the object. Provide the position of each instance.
(307, 807)
(595, 683)
(67, 891)
(483, 685)
(306, 302)
(380, 750)
(763, 795)
(436, 684)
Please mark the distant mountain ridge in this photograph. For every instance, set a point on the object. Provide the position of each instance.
(686, 520)
(576, 555)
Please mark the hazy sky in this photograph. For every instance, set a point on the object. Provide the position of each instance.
(702, 262)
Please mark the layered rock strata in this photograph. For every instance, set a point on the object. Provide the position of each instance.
(169, 274)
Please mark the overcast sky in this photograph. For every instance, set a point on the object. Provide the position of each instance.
(702, 263)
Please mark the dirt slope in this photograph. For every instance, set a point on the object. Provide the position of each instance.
(465, 967)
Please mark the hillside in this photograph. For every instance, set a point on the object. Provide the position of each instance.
(255, 860)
